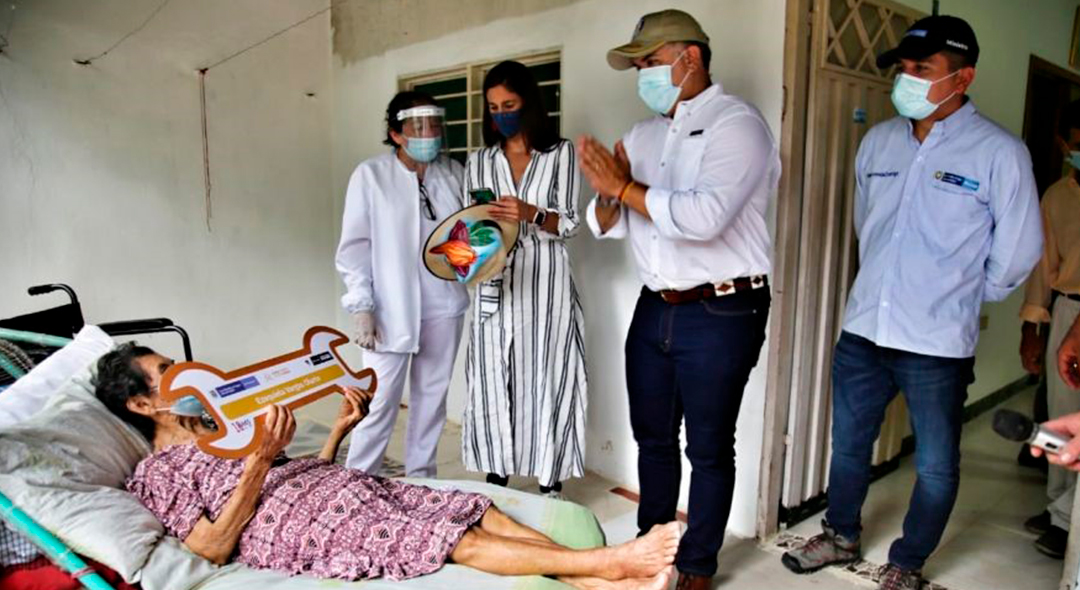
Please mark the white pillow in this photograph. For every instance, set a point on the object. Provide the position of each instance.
(64, 466)
(172, 566)
(30, 392)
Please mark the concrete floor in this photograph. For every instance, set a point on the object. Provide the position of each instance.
(985, 544)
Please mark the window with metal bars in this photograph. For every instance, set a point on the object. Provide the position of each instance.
(460, 91)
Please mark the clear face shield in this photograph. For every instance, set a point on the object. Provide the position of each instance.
(425, 134)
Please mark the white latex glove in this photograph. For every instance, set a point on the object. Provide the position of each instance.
(366, 334)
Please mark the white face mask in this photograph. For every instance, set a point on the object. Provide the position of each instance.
(909, 96)
(189, 405)
(655, 87)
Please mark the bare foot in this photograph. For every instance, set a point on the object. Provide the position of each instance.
(645, 556)
(658, 582)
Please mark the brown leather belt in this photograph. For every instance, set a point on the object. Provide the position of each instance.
(710, 290)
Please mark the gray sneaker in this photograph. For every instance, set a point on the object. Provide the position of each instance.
(828, 548)
(891, 577)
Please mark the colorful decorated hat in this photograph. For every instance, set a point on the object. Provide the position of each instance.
(470, 246)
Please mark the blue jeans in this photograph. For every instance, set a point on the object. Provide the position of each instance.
(691, 360)
(866, 377)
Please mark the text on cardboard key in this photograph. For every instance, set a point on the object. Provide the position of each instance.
(236, 399)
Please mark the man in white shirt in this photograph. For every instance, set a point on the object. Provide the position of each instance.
(947, 217)
(689, 188)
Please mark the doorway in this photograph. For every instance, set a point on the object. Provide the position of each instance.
(833, 94)
(1050, 91)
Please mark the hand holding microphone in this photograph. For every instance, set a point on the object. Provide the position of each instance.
(1057, 438)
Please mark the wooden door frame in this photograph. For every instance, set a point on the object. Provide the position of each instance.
(797, 64)
(1037, 64)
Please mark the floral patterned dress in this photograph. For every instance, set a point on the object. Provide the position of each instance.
(313, 517)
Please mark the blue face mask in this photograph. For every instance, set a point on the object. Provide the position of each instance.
(909, 96)
(656, 89)
(189, 405)
(423, 149)
(1074, 159)
(508, 123)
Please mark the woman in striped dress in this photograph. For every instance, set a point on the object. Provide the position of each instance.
(525, 413)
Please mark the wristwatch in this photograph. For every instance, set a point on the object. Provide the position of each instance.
(540, 217)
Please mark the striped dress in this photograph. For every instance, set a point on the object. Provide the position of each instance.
(525, 413)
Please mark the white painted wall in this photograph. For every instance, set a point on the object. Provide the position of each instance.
(747, 42)
(101, 178)
(1009, 32)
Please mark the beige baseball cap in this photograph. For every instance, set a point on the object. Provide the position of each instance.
(652, 31)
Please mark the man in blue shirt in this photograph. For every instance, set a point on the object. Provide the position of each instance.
(947, 216)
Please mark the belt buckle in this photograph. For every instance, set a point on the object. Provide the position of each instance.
(664, 296)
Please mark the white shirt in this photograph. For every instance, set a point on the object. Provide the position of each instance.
(943, 226)
(379, 257)
(710, 171)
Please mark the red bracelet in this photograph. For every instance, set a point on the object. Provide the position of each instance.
(626, 187)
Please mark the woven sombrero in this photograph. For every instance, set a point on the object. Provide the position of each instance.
(470, 246)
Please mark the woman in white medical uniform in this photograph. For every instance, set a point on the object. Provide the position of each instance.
(406, 319)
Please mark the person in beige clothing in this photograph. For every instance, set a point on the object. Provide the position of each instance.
(1052, 302)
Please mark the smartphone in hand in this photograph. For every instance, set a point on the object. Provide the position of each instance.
(482, 196)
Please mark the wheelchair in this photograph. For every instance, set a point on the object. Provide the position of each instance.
(63, 322)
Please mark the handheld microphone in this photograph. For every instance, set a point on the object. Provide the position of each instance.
(1018, 427)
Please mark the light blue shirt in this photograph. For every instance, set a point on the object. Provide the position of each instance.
(942, 226)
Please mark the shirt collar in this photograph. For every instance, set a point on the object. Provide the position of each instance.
(959, 118)
(690, 105)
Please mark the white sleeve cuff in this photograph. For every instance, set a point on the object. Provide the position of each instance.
(615, 232)
(356, 303)
(658, 204)
(568, 226)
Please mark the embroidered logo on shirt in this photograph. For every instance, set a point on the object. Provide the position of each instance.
(957, 180)
(888, 174)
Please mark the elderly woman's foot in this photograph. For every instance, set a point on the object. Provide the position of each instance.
(657, 582)
(645, 556)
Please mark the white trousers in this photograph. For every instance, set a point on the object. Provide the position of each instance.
(1061, 400)
(429, 380)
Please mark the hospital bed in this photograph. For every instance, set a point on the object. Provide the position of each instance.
(65, 463)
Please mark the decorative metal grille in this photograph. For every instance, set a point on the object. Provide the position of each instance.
(857, 31)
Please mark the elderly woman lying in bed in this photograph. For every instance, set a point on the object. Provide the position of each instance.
(311, 516)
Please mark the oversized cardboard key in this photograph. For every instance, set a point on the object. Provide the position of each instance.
(236, 400)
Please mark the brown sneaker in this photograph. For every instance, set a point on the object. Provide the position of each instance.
(891, 577)
(828, 548)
